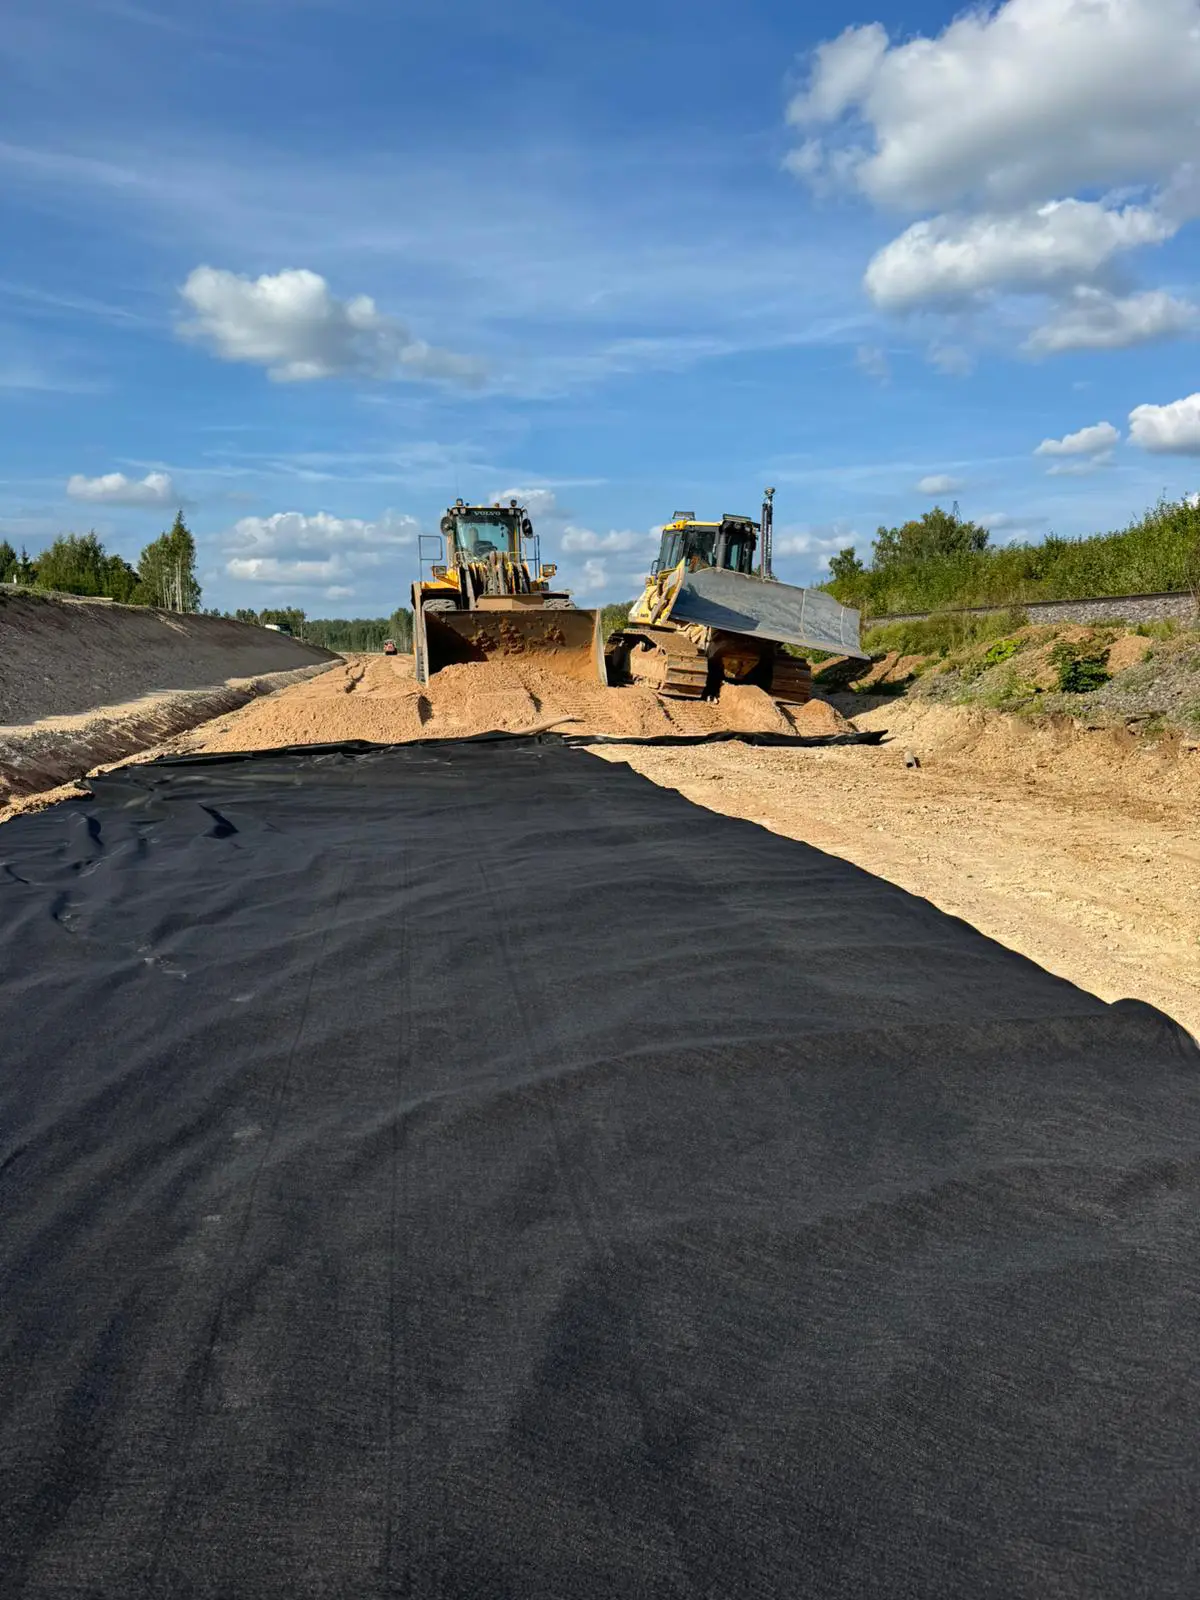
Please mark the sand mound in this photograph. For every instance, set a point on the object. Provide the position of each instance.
(751, 710)
(1127, 651)
(818, 719)
(375, 698)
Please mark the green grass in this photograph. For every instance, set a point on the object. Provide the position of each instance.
(940, 635)
(1160, 552)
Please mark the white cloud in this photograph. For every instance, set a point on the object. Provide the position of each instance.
(578, 540)
(293, 326)
(290, 548)
(953, 259)
(1008, 529)
(812, 541)
(115, 489)
(290, 574)
(1172, 429)
(595, 576)
(540, 503)
(1048, 137)
(1009, 105)
(938, 483)
(1093, 319)
(292, 532)
(1101, 436)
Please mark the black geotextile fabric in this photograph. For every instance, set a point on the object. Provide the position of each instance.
(475, 1171)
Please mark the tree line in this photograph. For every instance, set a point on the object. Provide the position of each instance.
(77, 563)
(334, 633)
(940, 561)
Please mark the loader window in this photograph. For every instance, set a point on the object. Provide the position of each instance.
(479, 539)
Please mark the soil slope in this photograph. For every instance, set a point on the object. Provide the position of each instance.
(60, 657)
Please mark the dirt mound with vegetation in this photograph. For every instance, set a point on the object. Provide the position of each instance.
(60, 657)
(1145, 678)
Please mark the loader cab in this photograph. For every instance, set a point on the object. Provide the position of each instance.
(473, 533)
(728, 544)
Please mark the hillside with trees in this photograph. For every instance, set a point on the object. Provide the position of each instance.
(940, 562)
(75, 563)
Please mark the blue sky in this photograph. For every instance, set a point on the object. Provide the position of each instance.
(314, 269)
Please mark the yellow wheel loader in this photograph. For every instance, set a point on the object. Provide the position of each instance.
(489, 597)
(710, 615)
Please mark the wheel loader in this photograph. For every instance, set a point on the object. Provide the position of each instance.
(712, 612)
(489, 597)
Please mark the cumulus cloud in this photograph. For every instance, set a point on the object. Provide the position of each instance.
(938, 483)
(1088, 441)
(595, 576)
(992, 125)
(1081, 452)
(1000, 109)
(291, 548)
(1093, 319)
(578, 540)
(115, 489)
(1172, 429)
(538, 502)
(819, 541)
(955, 259)
(291, 324)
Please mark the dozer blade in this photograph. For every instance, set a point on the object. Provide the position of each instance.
(760, 608)
(566, 642)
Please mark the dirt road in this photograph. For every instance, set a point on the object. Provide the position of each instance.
(1078, 850)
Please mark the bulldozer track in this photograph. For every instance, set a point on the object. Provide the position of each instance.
(665, 660)
(791, 681)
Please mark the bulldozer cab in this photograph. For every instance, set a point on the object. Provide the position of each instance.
(729, 544)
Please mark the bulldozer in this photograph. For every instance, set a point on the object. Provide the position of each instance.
(489, 597)
(712, 612)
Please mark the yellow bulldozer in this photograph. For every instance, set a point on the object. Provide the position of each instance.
(712, 612)
(489, 597)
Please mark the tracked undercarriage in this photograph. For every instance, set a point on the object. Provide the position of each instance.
(691, 662)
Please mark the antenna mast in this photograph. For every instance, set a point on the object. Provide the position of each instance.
(766, 530)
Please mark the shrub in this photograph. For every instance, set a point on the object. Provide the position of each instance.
(1079, 669)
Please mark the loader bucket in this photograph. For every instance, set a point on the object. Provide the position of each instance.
(566, 642)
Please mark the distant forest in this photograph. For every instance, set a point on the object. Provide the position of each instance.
(337, 633)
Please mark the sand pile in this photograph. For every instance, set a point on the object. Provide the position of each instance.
(376, 698)
(818, 719)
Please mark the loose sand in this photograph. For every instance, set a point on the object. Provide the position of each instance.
(376, 698)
